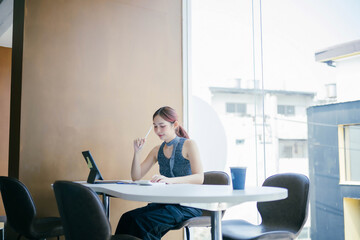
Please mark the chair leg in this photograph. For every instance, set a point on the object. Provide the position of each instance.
(187, 229)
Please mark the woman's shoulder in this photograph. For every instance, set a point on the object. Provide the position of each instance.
(189, 149)
(189, 143)
(155, 149)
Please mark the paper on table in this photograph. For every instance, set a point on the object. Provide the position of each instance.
(140, 182)
(147, 182)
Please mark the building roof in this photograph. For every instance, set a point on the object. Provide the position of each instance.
(339, 51)
(258, 91)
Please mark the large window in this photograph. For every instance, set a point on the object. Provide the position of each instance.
(252, 76)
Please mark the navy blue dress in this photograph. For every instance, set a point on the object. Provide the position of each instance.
(155, 220)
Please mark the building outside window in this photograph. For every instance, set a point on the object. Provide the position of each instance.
(349, 153)
(238, 108)
(292, 148)
(286, 110)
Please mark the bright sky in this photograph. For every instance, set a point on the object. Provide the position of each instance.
(293, 31)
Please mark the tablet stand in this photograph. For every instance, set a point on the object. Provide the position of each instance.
(94, 175)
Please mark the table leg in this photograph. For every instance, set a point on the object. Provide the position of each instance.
(216, 233)
(106, 202)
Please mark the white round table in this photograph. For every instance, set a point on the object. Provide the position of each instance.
(213, 198)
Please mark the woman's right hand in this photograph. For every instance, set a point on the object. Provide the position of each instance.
(138, 144)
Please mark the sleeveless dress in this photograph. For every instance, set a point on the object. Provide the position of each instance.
(155, 220)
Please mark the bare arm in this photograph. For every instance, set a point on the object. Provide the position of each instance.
(138, 168)
(190, 152)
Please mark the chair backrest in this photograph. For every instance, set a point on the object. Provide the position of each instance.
(19, 206)
(290, 213)
(81, 211)
(216, 178)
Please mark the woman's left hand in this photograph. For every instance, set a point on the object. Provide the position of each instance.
(160, 178)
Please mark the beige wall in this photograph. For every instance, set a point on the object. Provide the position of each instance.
(5, 82)
(94, 72)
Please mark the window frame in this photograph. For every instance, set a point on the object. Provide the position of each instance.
(344, 156)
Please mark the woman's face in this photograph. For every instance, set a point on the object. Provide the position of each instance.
(164, 129)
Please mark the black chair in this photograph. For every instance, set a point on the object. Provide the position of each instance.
(283, 219)
(21, 212)
(83, 214)
(210, 178)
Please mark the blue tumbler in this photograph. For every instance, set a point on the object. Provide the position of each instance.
(238, 175)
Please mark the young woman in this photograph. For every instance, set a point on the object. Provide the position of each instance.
(179, 162)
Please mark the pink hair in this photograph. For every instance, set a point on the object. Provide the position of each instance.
(170, 115)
